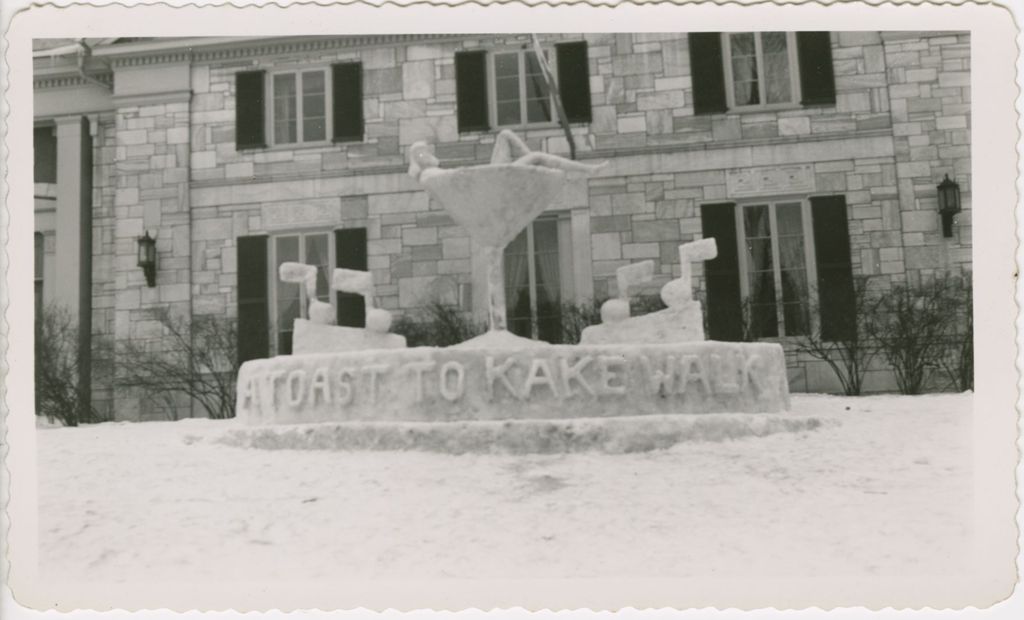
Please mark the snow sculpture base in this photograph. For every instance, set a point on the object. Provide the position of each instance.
(684, 323)
(619, 435)
(310, 337)
(556, 381)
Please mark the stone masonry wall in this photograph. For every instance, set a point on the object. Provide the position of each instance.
(151, 159)
(104, 285)
(930, 86)
(642, 99)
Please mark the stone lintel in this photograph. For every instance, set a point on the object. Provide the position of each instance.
(152, 80)
(158, 98)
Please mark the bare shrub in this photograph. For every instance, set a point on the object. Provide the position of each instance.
(958, 359)
(195, 360)
(56, 368)
(437, 325)
(912, 327)
(577, 316)
(845, 344)
(645, 304)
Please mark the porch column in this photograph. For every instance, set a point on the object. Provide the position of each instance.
(73, 288)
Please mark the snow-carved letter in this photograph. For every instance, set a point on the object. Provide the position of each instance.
(611, 366)
(539, 374)
(497, 373)
(575, 372)
(452, 394)
(662, 379)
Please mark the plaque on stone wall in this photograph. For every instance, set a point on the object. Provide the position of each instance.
(302, 214)
(770, 180)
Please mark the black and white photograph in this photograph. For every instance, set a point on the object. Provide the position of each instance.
(686, 300)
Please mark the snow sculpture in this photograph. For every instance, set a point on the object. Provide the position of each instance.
(679, 292)
(299, 273)
(494, 203)
(653, 364)
(681, 321)
(320, 334)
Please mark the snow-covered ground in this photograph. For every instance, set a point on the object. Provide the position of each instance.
(885, 492)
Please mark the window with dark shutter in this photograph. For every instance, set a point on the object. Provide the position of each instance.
(817, 80)
(350, 253)
(722, 275)
(471, 90)
(253, 305)
(574, 80)
(708, 73)
(249, 110)
(347, 89)
(835, 270)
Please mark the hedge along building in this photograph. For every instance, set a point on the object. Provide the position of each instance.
(812, 158)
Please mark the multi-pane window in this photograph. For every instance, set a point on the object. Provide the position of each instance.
(290, 298)
(760, 69)
(776, 266)
(299, 107)
(538, 277)
(521, 95)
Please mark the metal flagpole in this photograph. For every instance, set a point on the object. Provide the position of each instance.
(549, 79)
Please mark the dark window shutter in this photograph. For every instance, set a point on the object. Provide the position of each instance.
(347, 88)
(350, 253)
(835, 269)
(253, 304)
(471, 90)
(817, 81)
(574, 80)
(725, 308)
(708, 72)
(44, 145)
(249, 110)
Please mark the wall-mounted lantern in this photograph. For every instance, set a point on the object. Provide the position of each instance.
(949, 204)
(147, 258)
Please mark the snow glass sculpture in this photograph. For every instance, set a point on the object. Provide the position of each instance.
(658, 363)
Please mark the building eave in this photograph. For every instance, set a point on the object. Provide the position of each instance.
(215, 48)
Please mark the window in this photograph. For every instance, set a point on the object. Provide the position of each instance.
(506, 87)
(776, 267)
(307, 106)
(289, 298)
(521, 95)
(40, 257)
(299, 107)
(538, 278)
(267, 307)
(778, 259)
(760, 69)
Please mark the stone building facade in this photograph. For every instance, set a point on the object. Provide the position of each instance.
(813, 157)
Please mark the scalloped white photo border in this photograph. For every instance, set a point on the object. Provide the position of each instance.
(994, 194)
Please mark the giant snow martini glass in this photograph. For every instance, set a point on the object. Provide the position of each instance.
(494, 203)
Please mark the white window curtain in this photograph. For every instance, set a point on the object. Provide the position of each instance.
(533, 282)
(744, 69)
(776, 67)
(517, 286)
(549, 285)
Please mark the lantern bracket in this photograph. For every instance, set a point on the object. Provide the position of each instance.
(147, 258)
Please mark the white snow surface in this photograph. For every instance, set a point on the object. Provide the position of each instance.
(885, 492)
